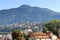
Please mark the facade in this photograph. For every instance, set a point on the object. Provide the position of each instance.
(2, 37)
(54, 37)
(59, 32)
(38, 39)
(51, 35)
(6, 37)
(9, 36)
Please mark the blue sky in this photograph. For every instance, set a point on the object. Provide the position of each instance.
(50, 4)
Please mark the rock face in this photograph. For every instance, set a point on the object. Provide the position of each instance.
(27, 13)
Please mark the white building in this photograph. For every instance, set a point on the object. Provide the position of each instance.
(26, 31)
(9, 36)
(2, 37)
(54, 37)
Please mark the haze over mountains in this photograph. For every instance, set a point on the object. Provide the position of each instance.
(27, 13)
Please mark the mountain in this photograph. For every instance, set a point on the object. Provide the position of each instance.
(27, 13)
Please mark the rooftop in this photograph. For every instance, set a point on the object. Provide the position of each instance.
(39, 35)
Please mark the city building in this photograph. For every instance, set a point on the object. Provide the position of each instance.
(42, 36)
(39, 36)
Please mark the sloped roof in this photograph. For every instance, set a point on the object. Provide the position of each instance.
(39, 35)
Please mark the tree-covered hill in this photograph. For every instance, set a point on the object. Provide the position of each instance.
(27, 13)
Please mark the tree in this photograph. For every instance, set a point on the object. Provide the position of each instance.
(52, 26)
(17, 35)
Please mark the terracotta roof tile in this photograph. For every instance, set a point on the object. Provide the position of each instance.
(39, 35)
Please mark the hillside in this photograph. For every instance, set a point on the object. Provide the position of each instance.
(27, 13)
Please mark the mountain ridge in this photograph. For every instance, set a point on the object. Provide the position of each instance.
(27, 13)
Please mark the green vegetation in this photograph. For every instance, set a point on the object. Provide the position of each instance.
(48, 26)
(17, 35)
(52, 26)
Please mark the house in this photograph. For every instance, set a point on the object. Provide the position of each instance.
(39, 36)
(2, 37)
(9, 36)
(54, 37)
(27, 31)
(51, 35)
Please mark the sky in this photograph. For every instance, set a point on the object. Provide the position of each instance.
(50, 4)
